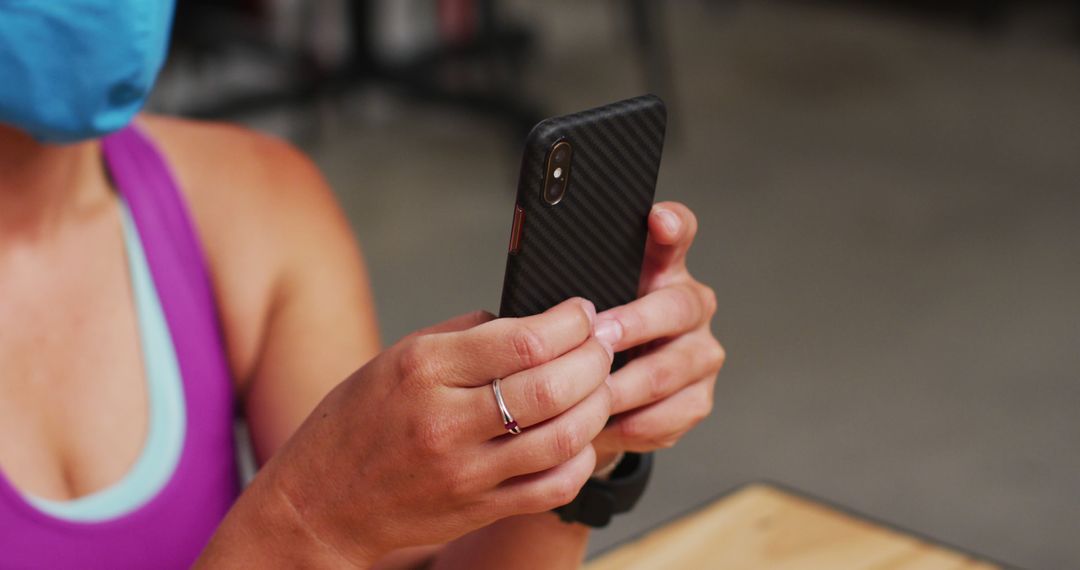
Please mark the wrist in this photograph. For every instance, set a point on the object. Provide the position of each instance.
(538, 540)
(341, 542)
(265, 529)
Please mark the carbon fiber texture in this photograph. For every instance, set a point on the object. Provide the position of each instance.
(591, 243)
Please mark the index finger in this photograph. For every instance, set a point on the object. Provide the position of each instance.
(499, 348)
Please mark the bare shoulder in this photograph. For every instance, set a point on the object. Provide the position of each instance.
(220, 163)
(264, 213)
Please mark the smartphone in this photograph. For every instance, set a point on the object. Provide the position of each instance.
(581, 217)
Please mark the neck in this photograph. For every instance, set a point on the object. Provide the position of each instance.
(41, 185)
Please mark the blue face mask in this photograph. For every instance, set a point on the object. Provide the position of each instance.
(72, 70)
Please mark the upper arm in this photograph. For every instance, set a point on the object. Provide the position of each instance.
(320, 325)
(292, 289)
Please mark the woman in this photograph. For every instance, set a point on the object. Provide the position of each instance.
(156, 274)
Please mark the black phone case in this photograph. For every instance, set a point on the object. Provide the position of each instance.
(591, 244)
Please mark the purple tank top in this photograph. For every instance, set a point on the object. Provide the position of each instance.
(172, 528)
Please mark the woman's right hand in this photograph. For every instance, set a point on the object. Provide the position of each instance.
(411, 448)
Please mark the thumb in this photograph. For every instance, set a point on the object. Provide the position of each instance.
(672, 227)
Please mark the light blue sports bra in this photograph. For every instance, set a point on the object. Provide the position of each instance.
(166, 414)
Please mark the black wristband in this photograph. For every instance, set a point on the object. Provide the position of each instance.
(598, 501)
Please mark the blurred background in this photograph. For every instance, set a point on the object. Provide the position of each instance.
(888, 202)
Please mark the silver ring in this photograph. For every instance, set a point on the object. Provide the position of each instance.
(508, 420)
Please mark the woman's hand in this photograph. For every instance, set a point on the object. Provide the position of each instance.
(668, 388)
(411, 448)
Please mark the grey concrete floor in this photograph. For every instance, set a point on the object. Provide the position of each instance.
(889, 215)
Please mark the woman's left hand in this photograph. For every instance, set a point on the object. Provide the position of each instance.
(668, 387)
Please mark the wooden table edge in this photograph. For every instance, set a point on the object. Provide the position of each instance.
(786, 488)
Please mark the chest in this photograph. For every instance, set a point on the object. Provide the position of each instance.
(73, 409)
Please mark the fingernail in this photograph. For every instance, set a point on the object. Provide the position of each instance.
(608, 332)
(669, 220)
(590, 310)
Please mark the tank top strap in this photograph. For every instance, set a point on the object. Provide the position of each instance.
(148, 187)
(174, 254)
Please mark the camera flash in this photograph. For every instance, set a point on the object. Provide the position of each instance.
(557, 173)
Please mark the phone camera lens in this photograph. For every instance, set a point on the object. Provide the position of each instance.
(557, 174)
(554, 192)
